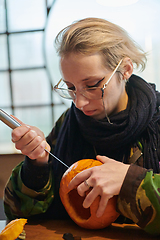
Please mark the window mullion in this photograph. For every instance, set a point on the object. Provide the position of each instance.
(9, 63)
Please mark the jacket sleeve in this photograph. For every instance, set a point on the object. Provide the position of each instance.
(25, 195)
(139, 198)
(21, 201)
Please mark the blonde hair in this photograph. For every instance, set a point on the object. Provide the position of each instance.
(95, 35)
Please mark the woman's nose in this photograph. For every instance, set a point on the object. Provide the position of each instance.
(80, 100)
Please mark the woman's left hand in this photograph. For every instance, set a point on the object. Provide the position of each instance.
(106, 181)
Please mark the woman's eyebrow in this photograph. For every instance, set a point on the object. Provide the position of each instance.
(83, 80)
(91, 78)
(95, 79)
(67, 81)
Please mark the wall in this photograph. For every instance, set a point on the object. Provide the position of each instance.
(7, 163)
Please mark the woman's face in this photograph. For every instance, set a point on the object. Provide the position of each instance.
(82, 71)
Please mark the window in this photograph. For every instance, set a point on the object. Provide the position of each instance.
(29, 65)
(26, 87)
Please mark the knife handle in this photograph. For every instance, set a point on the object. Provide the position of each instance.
(8, 120)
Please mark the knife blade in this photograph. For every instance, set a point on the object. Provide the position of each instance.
(12, 123)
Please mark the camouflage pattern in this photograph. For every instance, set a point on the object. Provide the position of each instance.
(20, 201)
(139, 198)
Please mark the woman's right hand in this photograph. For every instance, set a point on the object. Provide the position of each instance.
(31, 142)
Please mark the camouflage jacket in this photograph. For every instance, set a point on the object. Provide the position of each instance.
(139, 198)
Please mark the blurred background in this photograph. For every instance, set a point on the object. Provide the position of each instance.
(29, 65)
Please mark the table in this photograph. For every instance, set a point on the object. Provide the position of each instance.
(54, 230)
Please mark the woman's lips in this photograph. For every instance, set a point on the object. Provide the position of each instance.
(89, 113)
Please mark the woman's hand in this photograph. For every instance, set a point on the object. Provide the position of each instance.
(31, 142)
(106, 181)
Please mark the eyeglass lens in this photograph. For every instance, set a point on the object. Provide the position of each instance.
(95, 93)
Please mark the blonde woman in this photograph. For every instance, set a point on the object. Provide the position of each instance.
(114, 117)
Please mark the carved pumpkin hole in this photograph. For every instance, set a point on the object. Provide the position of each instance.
(76, 202)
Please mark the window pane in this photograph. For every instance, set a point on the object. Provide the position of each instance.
(5, 100)
(26, 14)
(5, 131)
(30, 87)
(50, 2)
(2, 17)
(58, 110)
(26, 50)
(6, 146)
(39, 117)
(3, 53)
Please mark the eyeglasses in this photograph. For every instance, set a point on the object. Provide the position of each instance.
(90, 93)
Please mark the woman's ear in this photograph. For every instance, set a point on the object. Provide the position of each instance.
(127, 68)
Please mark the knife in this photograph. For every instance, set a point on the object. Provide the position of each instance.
(12, 123)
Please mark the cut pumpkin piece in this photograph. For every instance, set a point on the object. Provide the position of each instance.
(13, 229)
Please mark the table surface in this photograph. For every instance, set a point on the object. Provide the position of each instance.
(54, 230)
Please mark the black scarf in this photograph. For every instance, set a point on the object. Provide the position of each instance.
(81, 135)
(84, 137)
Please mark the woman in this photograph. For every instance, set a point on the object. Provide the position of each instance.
(114, 118)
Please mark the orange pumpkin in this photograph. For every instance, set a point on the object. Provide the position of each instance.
(72, 201)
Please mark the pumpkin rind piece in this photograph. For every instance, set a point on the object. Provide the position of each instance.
(13, 229)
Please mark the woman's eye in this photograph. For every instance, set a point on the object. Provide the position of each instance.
(95, 85)
(71, 88)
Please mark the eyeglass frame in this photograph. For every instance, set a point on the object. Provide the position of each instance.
(84, 89)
